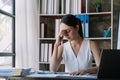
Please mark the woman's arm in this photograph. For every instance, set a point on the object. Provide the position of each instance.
(96, 54)
(56, 57)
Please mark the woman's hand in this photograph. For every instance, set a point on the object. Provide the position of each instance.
(81, 72)
(59, 39)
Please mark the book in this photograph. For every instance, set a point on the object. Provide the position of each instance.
(42, 30)
(79, 6)
(42, 52)
(62, 11)
(67, 7)
(50, 7)
(50, 52)
(85, 23)
(56, 4)
(57, 27)
(46, 52)
(43, 6)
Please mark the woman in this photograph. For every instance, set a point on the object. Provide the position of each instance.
(77, 53)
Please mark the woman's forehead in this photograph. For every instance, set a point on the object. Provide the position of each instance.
(64, 26)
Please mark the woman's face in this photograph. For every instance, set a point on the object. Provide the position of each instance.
(68, 31)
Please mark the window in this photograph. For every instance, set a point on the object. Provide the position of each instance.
(7, 33)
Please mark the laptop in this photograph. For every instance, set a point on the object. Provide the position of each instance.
(109, 64)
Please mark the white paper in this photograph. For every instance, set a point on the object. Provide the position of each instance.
(60, 74)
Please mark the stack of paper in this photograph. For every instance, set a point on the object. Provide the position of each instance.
(10, 72)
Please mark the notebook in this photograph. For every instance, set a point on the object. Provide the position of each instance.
(109, 64)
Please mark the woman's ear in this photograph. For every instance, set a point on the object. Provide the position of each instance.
(77, 27)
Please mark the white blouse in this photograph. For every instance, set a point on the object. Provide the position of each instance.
(82, 61)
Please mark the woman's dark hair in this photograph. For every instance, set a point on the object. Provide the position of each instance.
(72, 21)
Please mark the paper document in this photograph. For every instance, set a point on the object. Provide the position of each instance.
(43, 75)
(48, 72)
(60, 74)
(78, 76)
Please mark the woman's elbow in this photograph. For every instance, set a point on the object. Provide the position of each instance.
(52, 67)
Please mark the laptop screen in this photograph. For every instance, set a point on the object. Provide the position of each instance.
(109, 64)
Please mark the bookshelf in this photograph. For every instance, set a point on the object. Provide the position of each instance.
(51, 12)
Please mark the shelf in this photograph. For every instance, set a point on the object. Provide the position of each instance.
(44, 15)
(97, 23)
(100, 13)
(100, 38)
(46, 38)
(61, 15)
(51, 15)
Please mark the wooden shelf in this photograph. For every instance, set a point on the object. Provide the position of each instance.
(97, 22)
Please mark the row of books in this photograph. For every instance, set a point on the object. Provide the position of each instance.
(60, 6)
(47, 30)
(46, 52)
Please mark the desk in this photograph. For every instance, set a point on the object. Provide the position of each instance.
(57, 78)
(51, 77)
(31, 74)
(48, 78)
